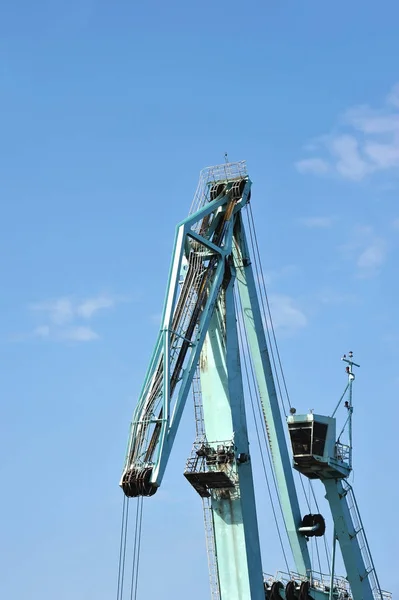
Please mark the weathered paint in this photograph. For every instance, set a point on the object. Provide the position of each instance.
(264, 376)
(234, 511)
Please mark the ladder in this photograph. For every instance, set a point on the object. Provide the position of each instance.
(206, 501)
(211, 548)
(198, 410)
(360, 533)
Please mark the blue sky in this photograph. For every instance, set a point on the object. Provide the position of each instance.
(108, 111)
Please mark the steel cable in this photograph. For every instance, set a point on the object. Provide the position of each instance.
(259, 276)
(243, 353)
(265, 301)
(136, 549)
(122, 548)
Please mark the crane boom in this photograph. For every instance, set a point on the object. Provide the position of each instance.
(200, 264)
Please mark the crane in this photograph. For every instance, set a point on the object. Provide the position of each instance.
(212, 297)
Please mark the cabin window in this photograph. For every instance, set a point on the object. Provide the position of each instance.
(319, 438)
(301, 440)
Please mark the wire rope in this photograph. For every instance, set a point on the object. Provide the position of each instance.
(266, 325)
(269, 311)
(318, 555)
(122, 548)
(240, 328)
(265, 301)
(326, 548)
(136, 549)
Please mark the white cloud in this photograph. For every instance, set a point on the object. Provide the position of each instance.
(75, 333)
(317, 222)
(393, 97)
(79, 334)
(368, 120)
(312, 165)
(373, 256)
(286, 315)
(367, 142)
(42, 331)
(349, 163)
(62, 316)
(367, 249)
(89, 307)
(59, 311)
(332, 296)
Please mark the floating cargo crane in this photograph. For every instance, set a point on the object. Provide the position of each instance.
(214, 327)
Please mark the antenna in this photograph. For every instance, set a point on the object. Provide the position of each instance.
(349, 361)
(348, 403)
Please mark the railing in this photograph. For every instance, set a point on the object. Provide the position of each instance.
(318, 581)
(342, 452)
(209, 454)
(363, 544)
(223, 172)
(321, 582)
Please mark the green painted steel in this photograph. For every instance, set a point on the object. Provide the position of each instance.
(199, 326)
(357, 572)
(234, 510)
(160, 359)
(214, 344)
(264, 375)
(169, 433)
(213, 237)
(319, 455)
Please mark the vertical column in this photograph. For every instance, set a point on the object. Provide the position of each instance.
(234, 510)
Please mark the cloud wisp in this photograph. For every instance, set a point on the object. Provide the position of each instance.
(288, 318)
(62, 319)
(368, 249)
(317, 222)
(366, 141)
